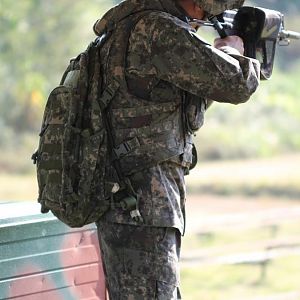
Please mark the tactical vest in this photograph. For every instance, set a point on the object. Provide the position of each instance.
(147, 128)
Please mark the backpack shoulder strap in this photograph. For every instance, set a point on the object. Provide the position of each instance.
(117, 56)
(116, 78)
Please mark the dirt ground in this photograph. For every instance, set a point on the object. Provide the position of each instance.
(206, 211)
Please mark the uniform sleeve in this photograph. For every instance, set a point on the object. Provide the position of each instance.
(183, 59)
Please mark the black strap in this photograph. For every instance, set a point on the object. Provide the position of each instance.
(106, 98)
(113, 86)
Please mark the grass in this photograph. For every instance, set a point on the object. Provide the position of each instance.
(276, 177)
(241, 237)
(240, 282)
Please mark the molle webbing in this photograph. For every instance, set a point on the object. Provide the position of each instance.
(144, 132)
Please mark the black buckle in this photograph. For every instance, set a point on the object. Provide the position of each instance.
(35, 157)
(122, 149)
(109, 93)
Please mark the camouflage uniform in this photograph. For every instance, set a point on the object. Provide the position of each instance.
(170, 73)
(215, 7)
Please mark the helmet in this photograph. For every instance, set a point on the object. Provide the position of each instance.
(215, 7)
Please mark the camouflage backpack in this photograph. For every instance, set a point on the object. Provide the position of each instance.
(72, 152)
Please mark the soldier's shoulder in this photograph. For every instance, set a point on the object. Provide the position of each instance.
(164, 21)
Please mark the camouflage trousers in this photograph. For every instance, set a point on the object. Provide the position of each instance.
(140, 262)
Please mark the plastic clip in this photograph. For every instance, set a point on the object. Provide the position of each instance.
(136, 216)
(34, 157)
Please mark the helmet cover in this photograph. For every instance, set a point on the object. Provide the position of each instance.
(215, 7)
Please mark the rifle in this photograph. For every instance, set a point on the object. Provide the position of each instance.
(261, 30)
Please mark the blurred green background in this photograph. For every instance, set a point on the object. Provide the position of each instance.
(242, 239)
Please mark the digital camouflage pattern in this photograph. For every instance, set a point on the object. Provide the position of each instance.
(170, 74)
(160, 192)
(216, 7)
(156, 77)
(140, 262)
(72, 150)
(169, 77)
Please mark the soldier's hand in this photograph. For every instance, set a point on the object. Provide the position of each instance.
(232, 41)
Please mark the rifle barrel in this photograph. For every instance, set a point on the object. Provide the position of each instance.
(286, 34)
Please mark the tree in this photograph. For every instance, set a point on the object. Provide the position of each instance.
(37, 39)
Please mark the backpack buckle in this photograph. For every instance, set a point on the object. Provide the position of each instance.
(35, 157)
(109, 93)
(126, 147)
(121, 150)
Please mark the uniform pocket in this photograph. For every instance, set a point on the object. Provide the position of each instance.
(195, 109)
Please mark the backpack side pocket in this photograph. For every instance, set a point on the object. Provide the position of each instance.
(49, 154)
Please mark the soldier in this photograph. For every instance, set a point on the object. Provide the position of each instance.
(167, 74)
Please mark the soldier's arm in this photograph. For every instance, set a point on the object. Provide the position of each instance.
(183, 59)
